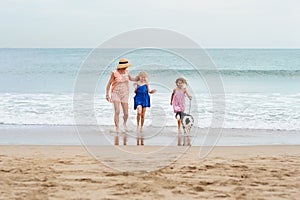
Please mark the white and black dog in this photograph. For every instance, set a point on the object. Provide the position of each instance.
(187, 122)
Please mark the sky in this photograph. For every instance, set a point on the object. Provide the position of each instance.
(210, 23)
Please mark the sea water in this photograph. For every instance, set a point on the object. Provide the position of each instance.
(261, 87)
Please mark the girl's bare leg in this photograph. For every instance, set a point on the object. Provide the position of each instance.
(179, 140)
(143, 118)
(138, 116)
(141, 139)
(179, 132)
(179, 126)
(138, 119)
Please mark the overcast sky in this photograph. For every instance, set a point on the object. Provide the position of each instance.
(211, 23)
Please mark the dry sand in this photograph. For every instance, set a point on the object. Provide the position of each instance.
(69, 172)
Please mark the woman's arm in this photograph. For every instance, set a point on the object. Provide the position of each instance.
(111, 79)
(132, 78)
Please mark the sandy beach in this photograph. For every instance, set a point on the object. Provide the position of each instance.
(70, 172)
(220, 100)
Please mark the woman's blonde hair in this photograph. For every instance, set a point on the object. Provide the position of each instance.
(183, 80)
(142, 73)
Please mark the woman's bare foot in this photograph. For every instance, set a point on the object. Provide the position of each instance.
(124, 140)
(125, 127)
(117, 140)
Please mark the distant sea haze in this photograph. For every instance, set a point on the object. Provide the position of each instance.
(261, 86)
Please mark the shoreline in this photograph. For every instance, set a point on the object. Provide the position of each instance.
(102, 135)
(40, 126)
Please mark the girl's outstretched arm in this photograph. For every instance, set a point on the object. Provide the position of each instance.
(150, 91)
(135, 87)
(187, 94)
(172, 97)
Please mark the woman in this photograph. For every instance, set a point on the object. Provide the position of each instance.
(119, 94)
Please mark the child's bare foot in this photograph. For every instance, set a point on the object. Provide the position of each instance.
(142, 141)
(179, 140)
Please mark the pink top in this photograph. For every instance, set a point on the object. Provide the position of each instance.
(178, 101)
(121, 82)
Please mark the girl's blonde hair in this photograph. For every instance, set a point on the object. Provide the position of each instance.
(183, 80)
(142, 73)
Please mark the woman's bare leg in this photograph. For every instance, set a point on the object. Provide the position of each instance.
(116, 115)
(117, 140)
(125, 139)
(125, 117)
(125, 112)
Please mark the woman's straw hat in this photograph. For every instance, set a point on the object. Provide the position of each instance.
(123, 63)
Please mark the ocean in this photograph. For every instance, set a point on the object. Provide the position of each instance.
(261, 87)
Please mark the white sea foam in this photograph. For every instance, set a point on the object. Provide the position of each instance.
(247, 111)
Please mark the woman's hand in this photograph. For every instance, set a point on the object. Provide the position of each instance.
(108, 98)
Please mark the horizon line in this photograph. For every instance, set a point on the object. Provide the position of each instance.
(146, 47)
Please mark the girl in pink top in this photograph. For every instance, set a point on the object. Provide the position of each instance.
(178, 99)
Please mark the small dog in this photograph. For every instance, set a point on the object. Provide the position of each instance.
(187, 122)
